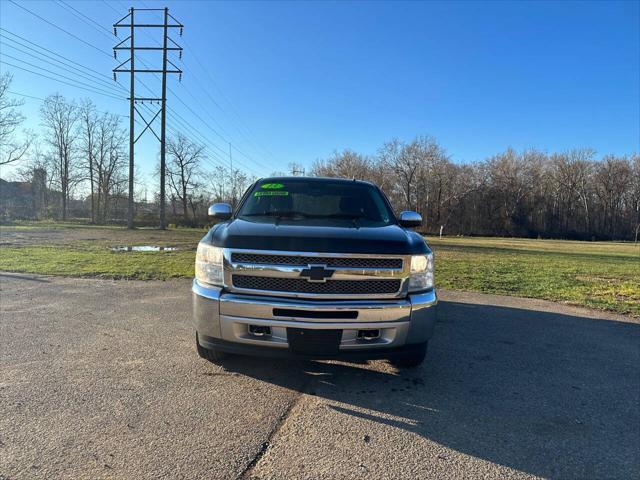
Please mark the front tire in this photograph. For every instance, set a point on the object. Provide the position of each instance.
(411, 359)
(213, 356)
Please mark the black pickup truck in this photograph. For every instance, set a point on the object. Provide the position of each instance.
(314, 268)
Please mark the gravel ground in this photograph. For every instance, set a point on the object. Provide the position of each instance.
(99, 379)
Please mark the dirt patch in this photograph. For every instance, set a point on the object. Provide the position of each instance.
(111, 237)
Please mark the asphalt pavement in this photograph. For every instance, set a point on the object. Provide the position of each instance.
(100, 379)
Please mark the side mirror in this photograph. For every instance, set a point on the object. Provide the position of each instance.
(410, 219)
(220, 211)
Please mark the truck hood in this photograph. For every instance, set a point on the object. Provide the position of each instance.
(391, 239)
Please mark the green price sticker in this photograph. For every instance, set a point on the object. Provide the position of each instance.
(271, 193)
(272, 186)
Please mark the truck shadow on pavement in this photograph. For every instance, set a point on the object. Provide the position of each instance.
(548, 394)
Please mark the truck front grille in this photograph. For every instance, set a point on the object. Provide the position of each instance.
(302, 260)
(330, 287)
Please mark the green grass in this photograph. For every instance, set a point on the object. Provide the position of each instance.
(603, 275)
(88, 261)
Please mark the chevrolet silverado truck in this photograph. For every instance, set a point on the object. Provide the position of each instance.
(314, 268)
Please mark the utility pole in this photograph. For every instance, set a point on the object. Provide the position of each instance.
(163, 120)
(232, 178)
(133, 100)
(132, 124)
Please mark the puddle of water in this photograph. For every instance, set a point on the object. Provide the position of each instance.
(142, 248)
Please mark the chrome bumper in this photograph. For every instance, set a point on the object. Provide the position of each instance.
(227, 316)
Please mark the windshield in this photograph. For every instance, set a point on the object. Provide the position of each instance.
(358, 204)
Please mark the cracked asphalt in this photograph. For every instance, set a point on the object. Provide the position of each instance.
(100, 379)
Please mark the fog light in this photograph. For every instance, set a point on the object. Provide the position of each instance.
(368, 334)
(259, 330)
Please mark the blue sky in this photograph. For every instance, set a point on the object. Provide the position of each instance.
(293, 81)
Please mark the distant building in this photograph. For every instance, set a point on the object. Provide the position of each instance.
(24, 200)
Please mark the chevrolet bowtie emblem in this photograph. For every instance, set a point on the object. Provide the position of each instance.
(317, 273)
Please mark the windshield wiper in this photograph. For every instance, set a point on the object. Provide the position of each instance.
(286, 214)
(347, 216)
(277, 215)
(336, 215)
(292, 214)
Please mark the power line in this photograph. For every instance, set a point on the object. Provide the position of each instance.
(188, 107)
(201, 137)
(56, 73)
(20, 94)
(214, 102)
(223, 152)
(248, 133)
(199, 117)
(189, 126)
(87, 19)
(25, 95)
(119, 13)
(185, 125)
(100, 74)
(59, 28)
(112, 7)
(61, 81)
(49, 60)
(95, 24)
(226, 140)
(212, 159)
(205, 124)
(220, 135)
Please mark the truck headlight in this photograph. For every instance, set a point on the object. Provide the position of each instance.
(209, 264)
(421, 273)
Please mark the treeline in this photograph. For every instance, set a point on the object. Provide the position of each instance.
(77, 166)
(572, 195)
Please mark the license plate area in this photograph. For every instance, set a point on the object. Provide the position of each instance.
(308, 341)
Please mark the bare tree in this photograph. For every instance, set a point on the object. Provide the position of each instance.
(239, 183)
(227, 185)
(88, 127)
(218, 182)
(109, 161)
(403, 162)
(433, 179)
(345, 164)
(59, 118)
(183, 168)
(11, 150)
(416, 170)
(612, 179)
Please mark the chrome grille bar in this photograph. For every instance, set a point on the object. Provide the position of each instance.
(303, 260)
(352, 276)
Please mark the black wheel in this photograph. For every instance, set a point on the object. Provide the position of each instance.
(213, 356)
(411, 359)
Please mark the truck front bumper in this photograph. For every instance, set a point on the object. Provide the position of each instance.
(223, 322)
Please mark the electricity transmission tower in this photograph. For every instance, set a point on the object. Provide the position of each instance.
(296, 170)
(128, 66)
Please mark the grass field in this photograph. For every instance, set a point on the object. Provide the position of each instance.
(604, 275)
